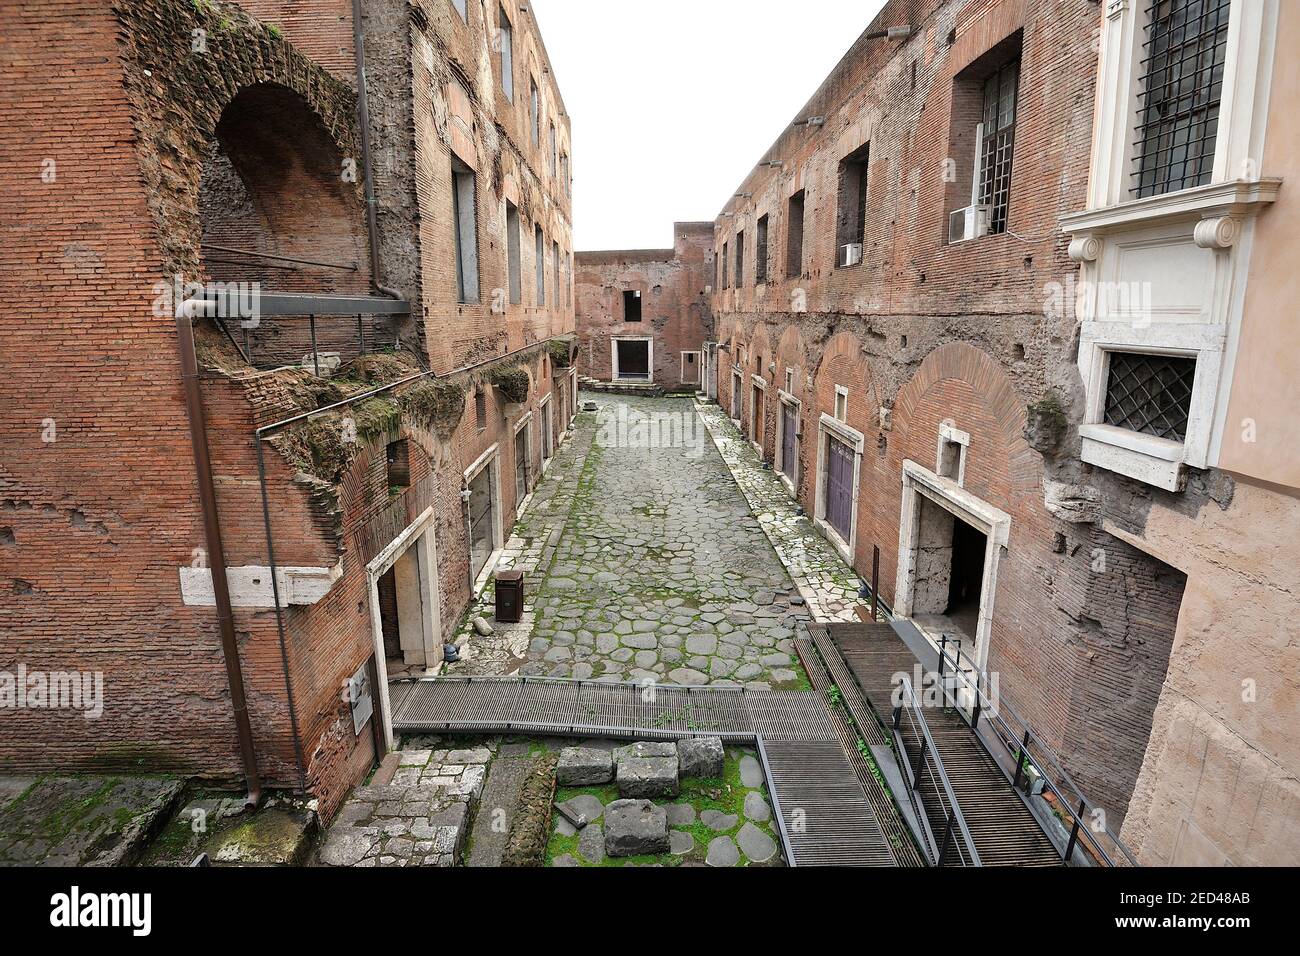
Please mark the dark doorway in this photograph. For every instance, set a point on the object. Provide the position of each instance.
(967, 581)
(634, 360)
(388, 614)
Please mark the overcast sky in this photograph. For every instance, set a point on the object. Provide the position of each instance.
(673, 102)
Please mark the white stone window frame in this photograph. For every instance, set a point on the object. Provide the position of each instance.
(419, 534)
(737, 389)
(787, 404)
(489, 459)
(918, 483)
(546, 420)
(758, 382)
(1170, 243)
(650, 358)
(828, 427)
(950, 434)
(841, 391)
(573, 392)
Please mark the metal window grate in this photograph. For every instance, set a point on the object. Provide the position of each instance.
(1150, 393)
(1178, 99)
(1000, 103)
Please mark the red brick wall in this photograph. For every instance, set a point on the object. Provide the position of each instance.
(923, 332)
(321, 29)
(675, 309)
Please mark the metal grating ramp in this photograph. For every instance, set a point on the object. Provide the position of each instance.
(1004, 831)
(828, 819)
(825, 814)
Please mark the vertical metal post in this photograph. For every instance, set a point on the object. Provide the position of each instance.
(920, 760)
(315, 356)
(947, 837)
(1020, 760)
(1074, 832)
(875, 583)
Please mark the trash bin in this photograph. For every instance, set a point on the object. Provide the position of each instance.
(510, 597)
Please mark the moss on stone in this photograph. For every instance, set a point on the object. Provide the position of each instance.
(512, 382)
(435, 405)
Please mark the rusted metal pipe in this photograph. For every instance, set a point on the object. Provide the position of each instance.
(185, 313)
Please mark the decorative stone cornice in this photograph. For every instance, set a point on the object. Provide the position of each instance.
(1238, 199)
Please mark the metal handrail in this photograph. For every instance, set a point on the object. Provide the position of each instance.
(955, 817)
(993, 711)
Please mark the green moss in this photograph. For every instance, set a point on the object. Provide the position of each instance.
(560, 351)
(433, 404)
(512, 382)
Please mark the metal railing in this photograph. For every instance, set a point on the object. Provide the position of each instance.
(1031, 755)
(929, 762)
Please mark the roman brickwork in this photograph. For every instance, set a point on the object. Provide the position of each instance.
(930, 361)
(242, 162)
(667, 291)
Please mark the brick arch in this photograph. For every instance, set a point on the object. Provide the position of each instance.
(791, 350)
(983, 381)
(845, 349)
(176, 111)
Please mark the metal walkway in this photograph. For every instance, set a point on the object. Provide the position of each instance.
(1004, 830)
(826, 818)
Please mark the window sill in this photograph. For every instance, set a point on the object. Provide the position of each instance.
(1146, 458)
(1234, 198)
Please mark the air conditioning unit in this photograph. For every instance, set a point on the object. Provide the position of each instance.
(850, 254)
(969, 223)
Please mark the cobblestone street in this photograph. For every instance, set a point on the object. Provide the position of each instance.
(645, 563)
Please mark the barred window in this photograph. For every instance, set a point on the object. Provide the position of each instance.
(1150, 393)
(1000, 102)
(1180, 87)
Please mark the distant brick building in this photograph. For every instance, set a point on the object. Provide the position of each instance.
(1049, 466)
(643, 316)
(188, 143)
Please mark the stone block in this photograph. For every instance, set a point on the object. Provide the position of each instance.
(584, 767)
(635, 828)
(700, 757)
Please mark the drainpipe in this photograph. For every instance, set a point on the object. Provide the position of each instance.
(363, 111)
(185, 313)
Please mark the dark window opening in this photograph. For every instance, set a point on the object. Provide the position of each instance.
(726, 279)
(464, 206)
(513, 254)
(505, 37)
(851, 212)
(632, 305)
(998, 145)
(950, 460)
(740, 259)
(480, 409)
(1179, 89)
(399, 465)
(794, 236)
(760, 251)
(535, 112)
(1150, 394)
(539, 265)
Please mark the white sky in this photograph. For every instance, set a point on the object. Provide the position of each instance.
(673, 102)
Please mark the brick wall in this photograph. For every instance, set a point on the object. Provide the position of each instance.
(675, 310)
(924, 332)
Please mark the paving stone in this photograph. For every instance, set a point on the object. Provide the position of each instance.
(756, 807)
(722, 852)
(591, 843)
(585, 808)
(717, 820)
(704, 644)
(680, 842)
(680, 814)
(688, 677)
(755, 844)
(751, 773)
